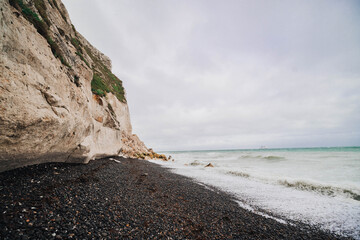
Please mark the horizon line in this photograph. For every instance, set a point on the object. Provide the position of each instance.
(266, 148)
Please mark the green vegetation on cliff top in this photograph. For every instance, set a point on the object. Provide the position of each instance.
(104, 80)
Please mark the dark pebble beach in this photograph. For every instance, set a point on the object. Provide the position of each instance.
(133, 199)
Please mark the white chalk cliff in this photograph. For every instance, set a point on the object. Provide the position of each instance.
(50, 110)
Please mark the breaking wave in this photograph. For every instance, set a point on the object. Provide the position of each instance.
(306, 186)
(248, 156)
(196, 163)
(239, 174)
(274, 158)
(324, 190)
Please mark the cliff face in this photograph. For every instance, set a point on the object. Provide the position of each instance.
(59, 100)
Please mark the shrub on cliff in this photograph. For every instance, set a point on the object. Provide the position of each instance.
(31, 16)
(104, 79)
(99, 92)
(79, 51)
(41, 7)
(98, 87)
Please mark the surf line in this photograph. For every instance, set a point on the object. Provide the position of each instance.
(251, 209)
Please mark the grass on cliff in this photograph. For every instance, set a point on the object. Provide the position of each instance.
(98, 86)
(41, 7)
(42, 26)
(104, 80)
(79, 51)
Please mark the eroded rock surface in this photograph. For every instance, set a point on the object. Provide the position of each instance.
(50, 111)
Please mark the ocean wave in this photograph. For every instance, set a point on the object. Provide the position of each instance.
(196, 163)
(324, 190)
(306, 186)
(247, 156)
(239, 174)
(274, 158)
(262, 157)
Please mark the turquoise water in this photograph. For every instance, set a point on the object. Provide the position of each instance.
(319, 186)
(314, 149)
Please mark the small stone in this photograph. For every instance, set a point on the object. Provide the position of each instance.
(209, 165)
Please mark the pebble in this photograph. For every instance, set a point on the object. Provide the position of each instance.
(107, 200)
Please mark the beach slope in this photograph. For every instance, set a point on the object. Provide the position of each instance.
(126, 198)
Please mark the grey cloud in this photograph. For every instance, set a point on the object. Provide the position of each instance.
(232, 74)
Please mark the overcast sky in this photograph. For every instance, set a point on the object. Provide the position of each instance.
(205, 74)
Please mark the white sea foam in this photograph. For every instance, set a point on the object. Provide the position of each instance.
(251, 209)
(320, 187)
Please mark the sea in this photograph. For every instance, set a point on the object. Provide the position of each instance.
(315, 186)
